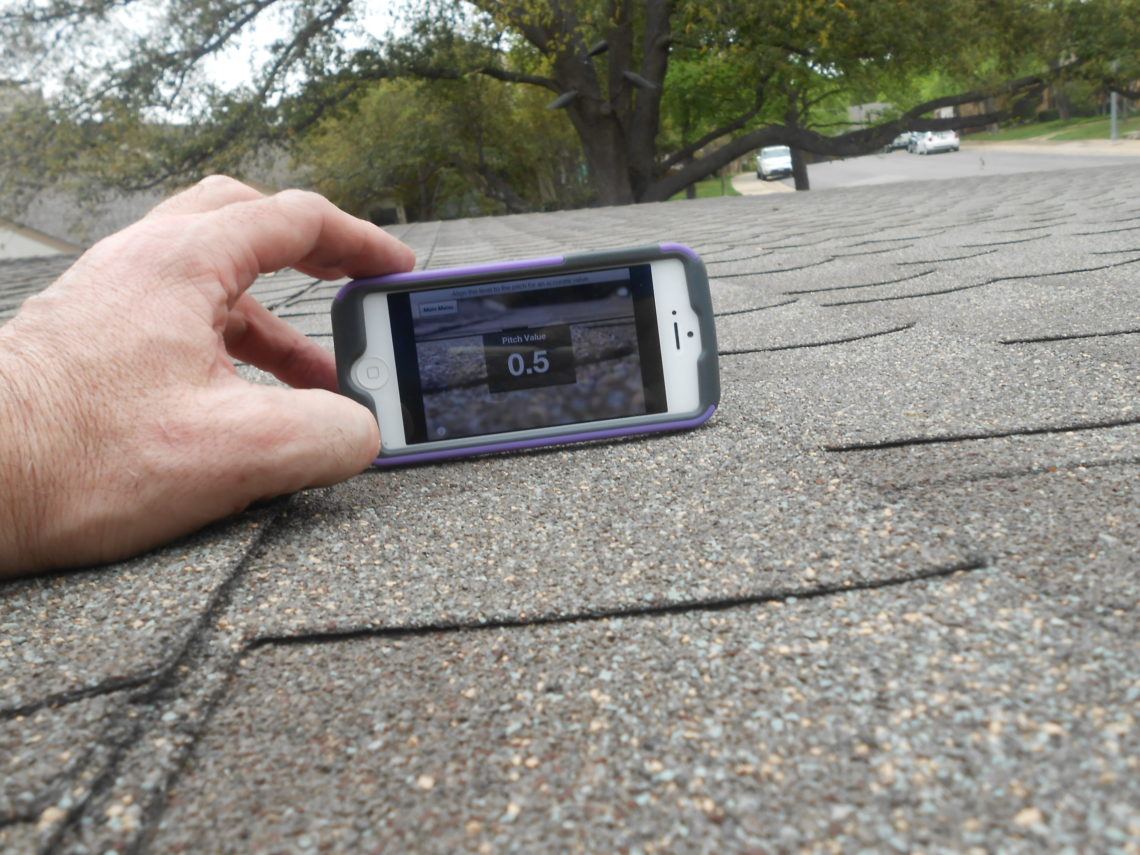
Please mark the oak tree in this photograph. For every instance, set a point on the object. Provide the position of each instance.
(660, 93)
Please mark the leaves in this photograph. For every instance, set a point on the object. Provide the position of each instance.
(458, 148)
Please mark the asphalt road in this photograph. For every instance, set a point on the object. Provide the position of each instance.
(975, 159)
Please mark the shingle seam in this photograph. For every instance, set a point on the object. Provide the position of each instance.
(162, 679)
(943, 260)
(973, 437)
(1107, 231)
(866, 285)
(1006, 242)
(754, 309)
(207, 710)
(972, 564)
(993, 281)
(882, 251)
(774, 270)
(1010, 474)
(50, 793)
(886, 240)
(295, 296)
(709, 263)
(828, 343)
(1068, 337)
(150, 683)
(109, 686)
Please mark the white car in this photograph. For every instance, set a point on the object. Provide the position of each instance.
(929, 142)
(773, 161)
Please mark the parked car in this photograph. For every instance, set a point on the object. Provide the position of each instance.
(901, 141)
(929, 142)
(773, 161)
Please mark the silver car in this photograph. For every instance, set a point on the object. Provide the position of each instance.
(929, 142)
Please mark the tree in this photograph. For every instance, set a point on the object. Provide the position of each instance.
(633, 78)
(1101, 39)
(466, 148)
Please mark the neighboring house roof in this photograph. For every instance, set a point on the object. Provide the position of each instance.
(18, 241)
(885, 599)
(75, 219)
(81, 221)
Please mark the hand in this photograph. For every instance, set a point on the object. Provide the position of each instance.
(125, 423)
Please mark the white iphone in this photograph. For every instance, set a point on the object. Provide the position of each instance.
(520, 354)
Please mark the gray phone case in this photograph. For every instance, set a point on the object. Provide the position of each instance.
(349, 341)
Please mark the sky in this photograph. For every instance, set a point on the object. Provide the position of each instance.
(239, 62)
(79, 51)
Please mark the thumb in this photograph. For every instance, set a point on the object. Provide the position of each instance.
(283, 440)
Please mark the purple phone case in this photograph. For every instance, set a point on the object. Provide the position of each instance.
(539, 442)
(349, 339)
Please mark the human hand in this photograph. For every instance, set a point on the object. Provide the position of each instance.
(125, 423)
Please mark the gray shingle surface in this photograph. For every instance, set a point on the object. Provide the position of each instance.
(931, 715)
(885, 600)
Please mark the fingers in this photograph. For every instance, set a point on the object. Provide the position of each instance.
(293, 228)
(238, 233)
(279, 441)
(209, 194)
(300, 230)
(255, 335)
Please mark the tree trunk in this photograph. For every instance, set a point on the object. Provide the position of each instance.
(604, 148)
(616, 114)
(799, 170)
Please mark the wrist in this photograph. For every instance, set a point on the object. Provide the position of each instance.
(27, 480)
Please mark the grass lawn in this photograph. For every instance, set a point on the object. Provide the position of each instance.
(1095, 128)
(1100, 129)
(712, 187)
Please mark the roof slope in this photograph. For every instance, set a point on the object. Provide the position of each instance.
(885, 598)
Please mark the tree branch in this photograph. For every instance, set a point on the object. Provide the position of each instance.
(684, 153)
(517, 77)
(1113, 85)
(850, 144)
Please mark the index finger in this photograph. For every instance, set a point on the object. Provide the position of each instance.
(302, 230)
(209, 194)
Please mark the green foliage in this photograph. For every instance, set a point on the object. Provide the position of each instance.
(444, 149)
(1099, 39)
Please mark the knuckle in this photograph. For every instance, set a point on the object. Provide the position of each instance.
(218, 182)
(301, 198)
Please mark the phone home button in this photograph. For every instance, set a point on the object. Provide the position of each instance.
(372, 373)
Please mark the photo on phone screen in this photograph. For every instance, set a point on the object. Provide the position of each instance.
(507, 356)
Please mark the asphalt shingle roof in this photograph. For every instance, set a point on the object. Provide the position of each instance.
(885, 600)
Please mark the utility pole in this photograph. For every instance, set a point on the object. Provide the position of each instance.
(1114, 100)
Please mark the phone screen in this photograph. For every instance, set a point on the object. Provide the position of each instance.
(527, 353)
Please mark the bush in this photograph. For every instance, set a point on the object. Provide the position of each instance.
(1048, 115)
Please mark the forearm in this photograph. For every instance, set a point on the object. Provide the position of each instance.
(63, 427)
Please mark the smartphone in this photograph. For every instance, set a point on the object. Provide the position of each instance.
(521, 354)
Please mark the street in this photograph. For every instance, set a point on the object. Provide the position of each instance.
(975, 159)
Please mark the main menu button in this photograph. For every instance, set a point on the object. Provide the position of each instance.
(371, 373)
